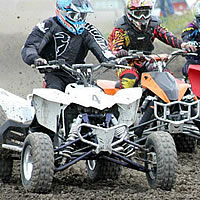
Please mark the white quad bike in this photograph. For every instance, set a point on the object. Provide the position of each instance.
(53, 130)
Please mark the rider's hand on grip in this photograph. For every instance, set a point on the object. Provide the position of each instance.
(122, 53)
(189, 46)
(40, 62)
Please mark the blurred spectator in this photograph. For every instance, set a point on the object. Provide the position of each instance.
(163, 7)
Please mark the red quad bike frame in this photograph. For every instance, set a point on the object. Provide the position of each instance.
(194, 78)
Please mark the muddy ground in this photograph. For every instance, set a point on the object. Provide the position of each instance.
(73, 183)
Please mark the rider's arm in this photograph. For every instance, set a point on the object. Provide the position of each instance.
(190, 33)
(117, 40)
(161, 33)
(35, 42)
(97, 43)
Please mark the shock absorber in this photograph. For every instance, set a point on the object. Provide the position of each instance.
(71, 137)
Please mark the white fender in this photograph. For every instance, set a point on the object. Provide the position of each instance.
(15, 107)
(48, 102)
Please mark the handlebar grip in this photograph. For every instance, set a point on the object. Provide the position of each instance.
(57, 62)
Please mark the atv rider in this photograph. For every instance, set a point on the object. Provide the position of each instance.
(192, 33)
(65, 36)
(137, 30)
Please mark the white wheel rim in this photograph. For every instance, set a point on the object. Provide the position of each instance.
(91, 164)
(28, 163)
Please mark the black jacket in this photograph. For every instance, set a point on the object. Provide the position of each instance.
(50, 40)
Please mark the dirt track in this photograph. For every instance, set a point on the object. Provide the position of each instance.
(20, 79)
(73, 184)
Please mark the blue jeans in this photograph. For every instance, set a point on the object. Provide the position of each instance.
(163, 8)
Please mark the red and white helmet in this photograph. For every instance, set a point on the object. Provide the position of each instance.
(139, 12)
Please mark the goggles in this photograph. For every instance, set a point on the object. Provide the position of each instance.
(139, 14)
(74, 16)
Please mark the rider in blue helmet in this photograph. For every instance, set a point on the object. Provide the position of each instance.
(65, 36)
(72, 14)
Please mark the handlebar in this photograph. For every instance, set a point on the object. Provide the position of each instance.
(149, 56)
(83, 73)
(132, 56)
(60, 64)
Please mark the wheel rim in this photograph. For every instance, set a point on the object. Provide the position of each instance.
(152, 164)
(28, 163)
(91, 164)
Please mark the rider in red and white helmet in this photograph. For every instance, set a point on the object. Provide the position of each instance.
(139, 12)
(136, 30)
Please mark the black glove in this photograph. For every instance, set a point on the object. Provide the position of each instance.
(122, 53)
(189, 46)
(40, 62)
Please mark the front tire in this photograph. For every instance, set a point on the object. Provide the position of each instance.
(37, 163)
(162, 157)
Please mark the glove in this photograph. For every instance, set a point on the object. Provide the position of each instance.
(189, 46)
(122, 53)
(40, 62)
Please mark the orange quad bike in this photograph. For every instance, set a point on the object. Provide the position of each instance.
(167, 104)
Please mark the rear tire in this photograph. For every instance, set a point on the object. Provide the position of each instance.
(6, 166)
(37, 163)
(6, 161)
(184, 143)
(102, 170)
(163, 157)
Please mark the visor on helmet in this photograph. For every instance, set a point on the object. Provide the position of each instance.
(74, 16)
(139, 14)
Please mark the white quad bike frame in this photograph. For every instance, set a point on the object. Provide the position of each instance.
(109, 141)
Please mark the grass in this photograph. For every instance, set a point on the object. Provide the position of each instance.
(176, 24)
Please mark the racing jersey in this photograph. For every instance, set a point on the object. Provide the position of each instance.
(51, 41)
(191, 33)
(126, 36)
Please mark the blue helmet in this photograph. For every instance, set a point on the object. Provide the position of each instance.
(72, 14)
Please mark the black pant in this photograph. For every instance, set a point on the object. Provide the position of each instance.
(186, 66)
(58, 80)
